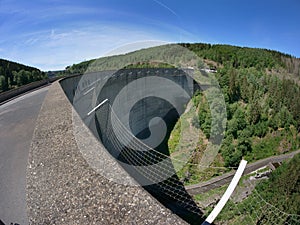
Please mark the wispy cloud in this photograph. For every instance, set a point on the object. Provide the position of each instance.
(56, 36)
(53, 36)
(57, 48)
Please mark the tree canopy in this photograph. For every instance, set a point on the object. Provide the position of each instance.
(14, 75)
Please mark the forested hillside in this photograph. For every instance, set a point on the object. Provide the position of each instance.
(243, 57)
(217, 56)
(13, 75)
(262, 95)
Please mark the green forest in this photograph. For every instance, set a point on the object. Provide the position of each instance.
(13, 75)
(283, 187)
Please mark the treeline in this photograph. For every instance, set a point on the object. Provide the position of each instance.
(79, 68)
(160, 56)
(244, 57)
(13, 75)
(224, 55)
(143, 65)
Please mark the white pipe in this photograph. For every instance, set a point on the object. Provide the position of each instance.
(99, 105)
(212, 216)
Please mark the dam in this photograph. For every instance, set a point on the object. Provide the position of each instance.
(124, 124)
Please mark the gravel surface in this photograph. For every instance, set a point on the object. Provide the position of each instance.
(63, 189)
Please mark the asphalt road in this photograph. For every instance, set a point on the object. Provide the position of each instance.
(17, 123)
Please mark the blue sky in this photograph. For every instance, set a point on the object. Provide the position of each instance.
(53, 34)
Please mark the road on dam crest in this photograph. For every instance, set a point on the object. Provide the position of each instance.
(17, 123)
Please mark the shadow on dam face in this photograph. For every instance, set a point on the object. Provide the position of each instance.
(135, 124)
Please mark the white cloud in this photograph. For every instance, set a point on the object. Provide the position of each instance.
(55, 49)
(50, 43)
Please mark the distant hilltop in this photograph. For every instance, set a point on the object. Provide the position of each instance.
(214, 57)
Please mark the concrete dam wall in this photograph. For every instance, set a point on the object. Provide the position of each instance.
(132, 113)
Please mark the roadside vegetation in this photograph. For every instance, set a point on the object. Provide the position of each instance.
(13, 75)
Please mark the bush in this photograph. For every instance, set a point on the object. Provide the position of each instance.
(195, 121)
(261, 129)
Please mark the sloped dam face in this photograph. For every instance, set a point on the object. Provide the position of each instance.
(132, 112)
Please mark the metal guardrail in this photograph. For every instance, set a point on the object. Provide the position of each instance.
(7, 95)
